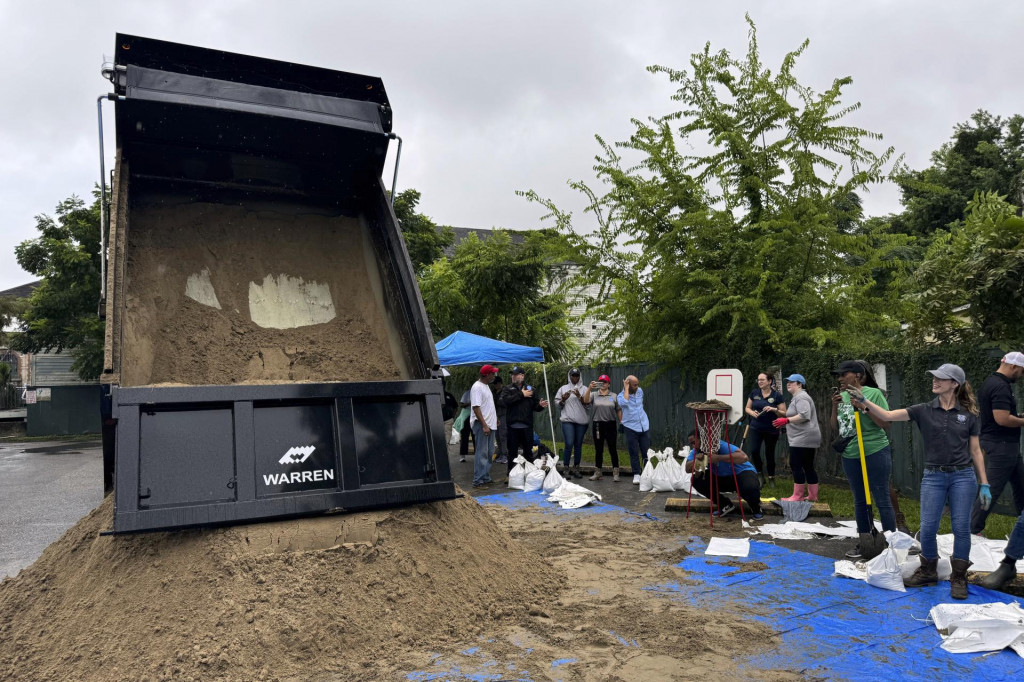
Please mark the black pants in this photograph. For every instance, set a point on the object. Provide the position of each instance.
(750, 488)
(605, 432)
(801, 461)
(754, 450)
(520, 441)
(1002, 465)
(466, 435)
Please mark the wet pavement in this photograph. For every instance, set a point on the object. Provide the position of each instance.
(45, 488)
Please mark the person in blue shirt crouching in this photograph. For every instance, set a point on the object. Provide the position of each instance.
(746, 476)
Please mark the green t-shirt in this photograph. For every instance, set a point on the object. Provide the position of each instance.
(874, 435)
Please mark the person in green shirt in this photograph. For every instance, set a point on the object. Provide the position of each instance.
(877, 452)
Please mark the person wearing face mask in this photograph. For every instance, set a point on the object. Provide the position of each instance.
(1000, 436)
(573, 399)
(764, 405)
(953, 466)
(606, 414)
(877, 452)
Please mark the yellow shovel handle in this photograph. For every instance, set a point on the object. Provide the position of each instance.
(863, 461)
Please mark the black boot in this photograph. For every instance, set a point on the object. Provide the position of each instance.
(999, 577)
(958, 581)
(926, 574)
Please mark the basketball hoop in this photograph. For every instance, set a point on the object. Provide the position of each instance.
(711, 419)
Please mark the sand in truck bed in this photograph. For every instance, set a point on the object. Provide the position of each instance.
(192, 273)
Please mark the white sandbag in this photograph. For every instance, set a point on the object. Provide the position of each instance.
(902, 543)
(646, 477)
(552, 481)
(528, 466)
(676, 473)
(667, 453)
(534, 480)
(884, 571)
(569, 489)
(661, 479)
(517, 477)
(973, 628)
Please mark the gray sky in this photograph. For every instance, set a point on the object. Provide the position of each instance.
(495, 97)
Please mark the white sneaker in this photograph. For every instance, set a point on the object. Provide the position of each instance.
(636, 479)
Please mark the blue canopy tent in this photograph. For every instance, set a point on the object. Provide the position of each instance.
(463, 348)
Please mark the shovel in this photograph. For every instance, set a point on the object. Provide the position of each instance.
(872, 543)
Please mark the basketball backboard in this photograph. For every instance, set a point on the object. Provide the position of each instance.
(727, 385)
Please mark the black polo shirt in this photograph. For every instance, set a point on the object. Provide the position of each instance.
(997, 394)
(947, 433)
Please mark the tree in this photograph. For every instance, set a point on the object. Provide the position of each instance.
(500, 289)
(423, 238)
(62, 312)
(985, 154)
(10, 309)
(755, 245)
(968, 289)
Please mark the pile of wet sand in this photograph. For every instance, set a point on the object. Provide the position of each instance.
(281, 600)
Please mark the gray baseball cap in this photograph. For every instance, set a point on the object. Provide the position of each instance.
(949, 371)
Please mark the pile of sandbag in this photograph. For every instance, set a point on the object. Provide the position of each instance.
(543, 475)
(665, 472)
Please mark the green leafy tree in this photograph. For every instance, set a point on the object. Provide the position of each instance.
(500, 289)
(423, 238)
(62, 312)
(985, 154)
(734, 230)
(10, 309)
(968, 289)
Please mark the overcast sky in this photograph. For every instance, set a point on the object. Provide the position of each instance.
(494, 97)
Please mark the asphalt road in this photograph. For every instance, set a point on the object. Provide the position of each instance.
(45, 488)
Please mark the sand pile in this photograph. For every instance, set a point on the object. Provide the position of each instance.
(205, 284)
(269, 601)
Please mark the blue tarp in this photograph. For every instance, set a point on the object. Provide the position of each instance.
(463, 348)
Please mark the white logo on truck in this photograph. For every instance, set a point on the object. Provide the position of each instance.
(297, 455)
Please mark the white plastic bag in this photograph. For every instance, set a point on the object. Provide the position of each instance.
(661, 479)
(517, 477)
(944, 569)
(646, 477)
(884, 571)
(534, 480)
(456, 438)
(902, 543)
(529, 466)
(553, 480)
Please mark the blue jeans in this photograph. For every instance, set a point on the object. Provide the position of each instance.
(879, 466)
(484, 445)
(1015, 547)
(573, 434)
(638, 443)
(959, 488)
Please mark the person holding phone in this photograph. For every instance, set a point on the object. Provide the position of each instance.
(635, 424)
(573, 399)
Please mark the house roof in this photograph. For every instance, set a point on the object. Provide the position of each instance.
(23, 291)
(517, 236)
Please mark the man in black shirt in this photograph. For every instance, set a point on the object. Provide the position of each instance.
(1000, 436)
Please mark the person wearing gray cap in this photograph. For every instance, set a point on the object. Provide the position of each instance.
(1000, 436)
(953, 465)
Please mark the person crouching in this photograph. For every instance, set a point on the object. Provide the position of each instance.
(746, 477)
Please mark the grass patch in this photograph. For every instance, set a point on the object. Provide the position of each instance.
(74, 438)
(840, 499)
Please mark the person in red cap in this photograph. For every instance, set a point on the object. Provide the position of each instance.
(606, 416)
(484, 420)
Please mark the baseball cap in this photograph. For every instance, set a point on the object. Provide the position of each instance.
(848, 366)
(518, 370)
(1014, 358)
(488, 369)
(605, 378)
(575, 370)
(949, 371)
(797, 377)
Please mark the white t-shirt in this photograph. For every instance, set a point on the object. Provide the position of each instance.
(480, 396)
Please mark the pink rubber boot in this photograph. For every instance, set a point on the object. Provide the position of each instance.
(798, 493)
(812, 492)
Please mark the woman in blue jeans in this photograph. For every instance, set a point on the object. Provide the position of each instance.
(573, 401)
(953, 465)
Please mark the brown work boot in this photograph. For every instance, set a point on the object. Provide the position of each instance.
(615, 474)
(901, 523)
(596, 476)
(926, 574)
(958, 581)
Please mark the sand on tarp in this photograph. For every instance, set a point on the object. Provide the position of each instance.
(277, 600)
(225, 294)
